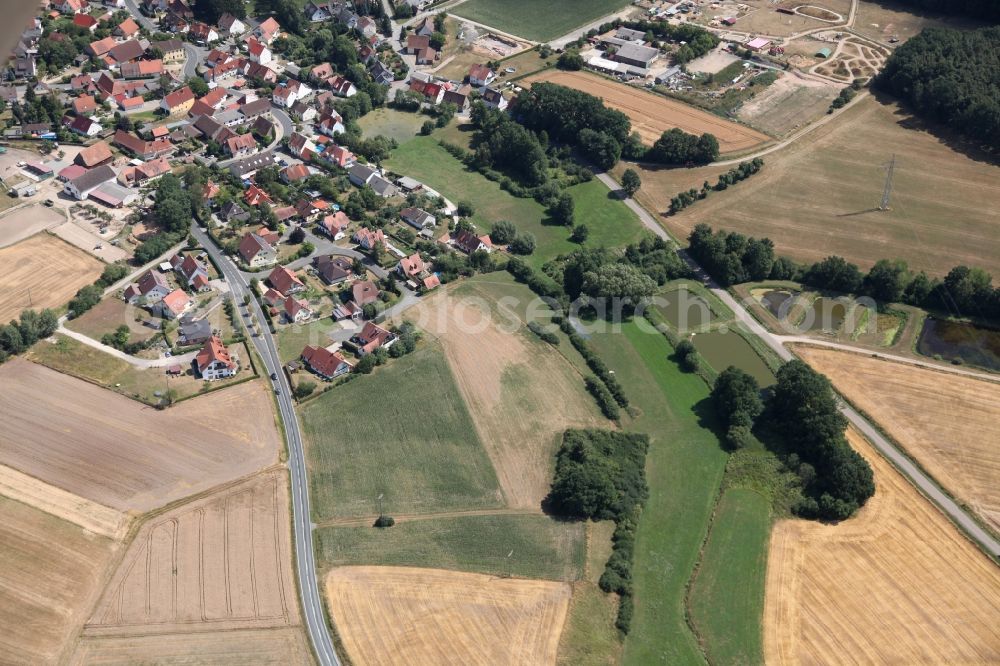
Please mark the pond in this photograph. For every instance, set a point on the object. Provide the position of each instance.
(775, 300)
(722, 350)
(826, 314)
(685, 311)
(954, 340)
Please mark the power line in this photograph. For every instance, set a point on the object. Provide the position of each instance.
(887, 191)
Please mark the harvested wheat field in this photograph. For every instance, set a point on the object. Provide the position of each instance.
(949, 423)
(114, 451)
(897, 583)
(521, 394)
(220, 562)
(52, 269)
(652, 115)
(400, 615)
(50, 576)
(91, 516)
(249, 647)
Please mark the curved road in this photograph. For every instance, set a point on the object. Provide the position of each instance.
(916, 476)
(305, 564)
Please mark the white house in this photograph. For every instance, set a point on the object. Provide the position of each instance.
(214, 361)
(259, 53)
(80, 188)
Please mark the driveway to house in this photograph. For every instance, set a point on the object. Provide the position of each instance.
(305, 564)
(917, 477)
(161, 362)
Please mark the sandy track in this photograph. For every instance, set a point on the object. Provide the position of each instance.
(50, 573)
(427, 616)
(220, 562)
(42, 272)
(950, 424)
(895, 584)
(521, 396)
(114, 451)
(249, 647)
(651, 115)
(91, 516)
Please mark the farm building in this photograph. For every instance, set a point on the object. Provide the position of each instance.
(758, 44)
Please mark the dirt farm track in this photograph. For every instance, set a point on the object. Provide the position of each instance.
(651, 115)
(896, 584)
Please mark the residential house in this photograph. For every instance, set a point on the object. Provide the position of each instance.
(232, 25)
(190, 269)
(494, 99)
(255, 109)
(172, 50)
(82, 83)
(469, 242)
(70, 6)
(81, 187)
(364, 292)
(481, 75)
(430, 282)
(425, 28)
(297, 310)
(380, 72)
(85, 21)
(126, 52)
(273, 297)
(146, 150)
(384, 188)
(335, 226)
(331, 124)
(246, 168)
(83, 126)
(101, 47)
(133, 176)
(303, 112)
(338, 155)
(241, 145)
(233, 212)
(372, 337)
(263, 129)
(259, 53)
(410, 268)
(175, 304)
(255, 196)
(361, 174)
(203, 33)
(194, 331)
(301, 146)
(432, 92)
(151, 288)
(417, 218)
(94, 156)
(84, 104)
(341, 86)
(144, 69)
(214, 361)
(419, 46)
(325, 363)
(368, 238)
(458, 98)
(255, 70)
(367, 26)
(178, 102)
(289, 92)
(268, 31)
(256, 251)
(127, 28)
(333, 269)
(285, 281)
(317, 11)
(295, 172)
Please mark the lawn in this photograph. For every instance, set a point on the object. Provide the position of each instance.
(727, 597)
(74, 358)
(108, 315)
(403, 432)
(537, 20)
(539, 547)
(609, 220)
(684, 468)
(399, 125)
(291, 339)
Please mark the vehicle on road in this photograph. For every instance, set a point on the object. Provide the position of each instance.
(274, 376)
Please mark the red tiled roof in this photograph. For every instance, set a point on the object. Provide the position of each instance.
(94, 155)
(284, 280)
(214, 351)
(323, 361)
(179, 97)
(176, 301)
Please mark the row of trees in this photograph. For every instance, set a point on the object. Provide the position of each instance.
(600, 475)
(731, 257)
(738, 173)
(675, 146)
(18, 335)
(951, 77)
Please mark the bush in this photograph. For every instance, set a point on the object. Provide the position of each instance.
(427, 127)
(385, 521)
(687, 356)
(540, 331)
(304, 389)
(522, 244)
(603, 397)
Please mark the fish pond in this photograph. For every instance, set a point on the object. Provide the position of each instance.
(960, 341)
(722, 349)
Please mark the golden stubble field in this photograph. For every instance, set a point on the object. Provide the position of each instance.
(816, 197)
(895, 584)
(949, 423)
(50, 269)
(119, 453)
(521, 396)
(428, 616)
(50, 575)
(651, 114)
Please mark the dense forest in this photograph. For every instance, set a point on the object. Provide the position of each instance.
(988, 10)
(951, 77)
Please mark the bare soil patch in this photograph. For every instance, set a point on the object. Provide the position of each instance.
(521, 393)
(114, 451)
(250, 647)
(651, 115)
(788, 104)
(218, 563)
(429, 616)
(949, 423)
(50, 574)
(50, 269)
(897, 584)
(27, 221)
(100, 247)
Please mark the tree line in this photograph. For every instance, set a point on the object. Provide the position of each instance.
(738, 173)
(988, 10)
(951, 77)
(600, 475)
(731, 258)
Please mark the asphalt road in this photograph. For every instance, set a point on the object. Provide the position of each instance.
(139, 17)
(917, 477)
(305, 564)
